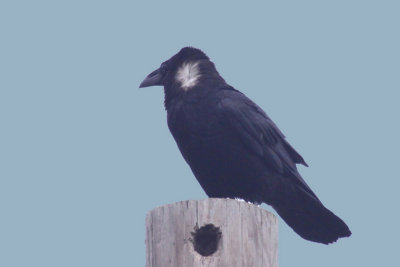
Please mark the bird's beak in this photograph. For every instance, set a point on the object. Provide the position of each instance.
(154, 78)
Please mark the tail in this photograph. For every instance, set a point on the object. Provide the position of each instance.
(307, 216)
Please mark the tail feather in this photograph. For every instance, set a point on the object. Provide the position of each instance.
(308, 217)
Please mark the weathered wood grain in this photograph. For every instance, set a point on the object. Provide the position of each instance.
(249, 234)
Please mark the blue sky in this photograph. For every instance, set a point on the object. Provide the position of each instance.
(84, 153)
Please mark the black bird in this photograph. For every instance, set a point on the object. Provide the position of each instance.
(234, 149)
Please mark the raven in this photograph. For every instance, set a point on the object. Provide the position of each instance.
(234, 149)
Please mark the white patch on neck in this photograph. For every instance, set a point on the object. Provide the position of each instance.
(188, 74)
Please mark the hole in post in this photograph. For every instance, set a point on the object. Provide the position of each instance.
(206, 239)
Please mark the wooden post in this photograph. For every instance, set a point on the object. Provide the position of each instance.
(211, 232)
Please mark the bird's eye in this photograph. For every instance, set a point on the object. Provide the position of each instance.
(163, 68)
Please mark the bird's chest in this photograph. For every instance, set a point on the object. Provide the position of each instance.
(195, 125)
(193, 119)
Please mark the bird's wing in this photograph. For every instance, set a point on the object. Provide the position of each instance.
(259, 133)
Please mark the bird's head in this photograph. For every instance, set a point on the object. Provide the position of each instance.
(187, 69)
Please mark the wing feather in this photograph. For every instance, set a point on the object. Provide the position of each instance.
(259, 134)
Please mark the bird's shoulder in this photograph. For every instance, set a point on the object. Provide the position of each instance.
(236, 107)
(256, 129)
